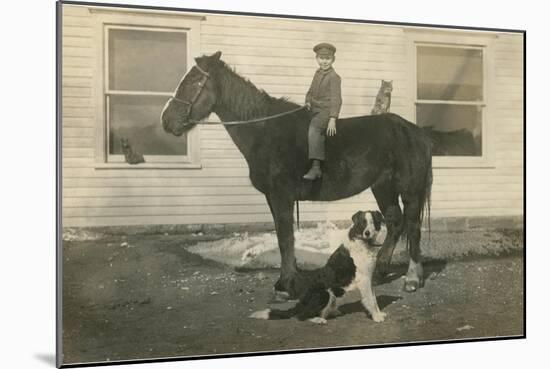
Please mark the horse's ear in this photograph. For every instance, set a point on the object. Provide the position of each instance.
(217, 55)
(199, 59)
(357, 217)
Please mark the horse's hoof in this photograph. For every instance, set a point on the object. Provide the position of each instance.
(379, 317)
(384, 275)
(288, 287)
(318, 320)
(411, 286)
(279, 296)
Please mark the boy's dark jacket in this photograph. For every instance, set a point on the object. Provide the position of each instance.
(325, 92)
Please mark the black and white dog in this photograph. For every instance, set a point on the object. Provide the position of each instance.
(350, 267)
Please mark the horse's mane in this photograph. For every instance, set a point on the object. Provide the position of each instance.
(243, 96)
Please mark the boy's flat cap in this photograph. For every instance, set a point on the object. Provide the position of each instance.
(324, 48)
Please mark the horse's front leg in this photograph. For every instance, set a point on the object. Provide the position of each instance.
(282, 208)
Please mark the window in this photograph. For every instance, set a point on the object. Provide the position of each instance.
(451, 77)
(450, 98)
(143, 58)
(143, 68)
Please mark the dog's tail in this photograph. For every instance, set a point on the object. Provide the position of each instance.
(311, 304)
(273, 314)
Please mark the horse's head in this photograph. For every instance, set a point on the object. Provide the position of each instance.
(194, 99)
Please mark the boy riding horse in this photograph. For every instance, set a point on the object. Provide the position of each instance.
(325, 100)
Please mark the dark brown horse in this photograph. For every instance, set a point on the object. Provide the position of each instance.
(384, 152)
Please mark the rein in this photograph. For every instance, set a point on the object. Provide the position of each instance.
(257, 120)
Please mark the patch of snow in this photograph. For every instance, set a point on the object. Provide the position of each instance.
(242, 249)
(72, 234)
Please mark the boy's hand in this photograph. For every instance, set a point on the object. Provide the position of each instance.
(308, 106)
(331, 129)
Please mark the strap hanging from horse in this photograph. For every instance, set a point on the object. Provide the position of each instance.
(298, 214)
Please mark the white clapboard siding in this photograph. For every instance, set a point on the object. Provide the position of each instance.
(508, 96)
(276, 55)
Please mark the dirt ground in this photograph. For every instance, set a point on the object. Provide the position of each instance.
(145, 297)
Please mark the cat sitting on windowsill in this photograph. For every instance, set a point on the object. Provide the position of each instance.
(130, 156)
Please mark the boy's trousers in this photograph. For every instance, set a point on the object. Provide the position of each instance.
(317, 134)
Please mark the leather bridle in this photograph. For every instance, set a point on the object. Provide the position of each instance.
(202, 83)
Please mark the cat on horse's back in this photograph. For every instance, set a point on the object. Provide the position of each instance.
(383, 98)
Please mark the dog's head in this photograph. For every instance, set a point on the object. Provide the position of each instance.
(368, 226)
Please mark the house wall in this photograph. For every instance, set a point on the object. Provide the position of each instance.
(276, 55)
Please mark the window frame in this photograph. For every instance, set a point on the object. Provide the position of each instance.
(105, 20)
(461, 40)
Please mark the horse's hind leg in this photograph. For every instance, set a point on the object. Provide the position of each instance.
(412, 209)
(387, 199)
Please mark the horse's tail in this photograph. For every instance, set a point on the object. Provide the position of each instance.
(426, 196)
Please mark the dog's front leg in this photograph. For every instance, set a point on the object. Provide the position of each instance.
(368, 299)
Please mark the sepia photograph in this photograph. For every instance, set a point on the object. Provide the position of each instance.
(236, 184)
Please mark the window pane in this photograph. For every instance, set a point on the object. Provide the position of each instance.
(455, 130)
(445, 73)
(146, 60)
(137, 119)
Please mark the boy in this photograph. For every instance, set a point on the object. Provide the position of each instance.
(324, 99)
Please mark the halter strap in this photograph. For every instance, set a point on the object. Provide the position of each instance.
(190, 103)
(201, 70)
(180, 100)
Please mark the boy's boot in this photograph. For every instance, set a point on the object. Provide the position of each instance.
(315, 171)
